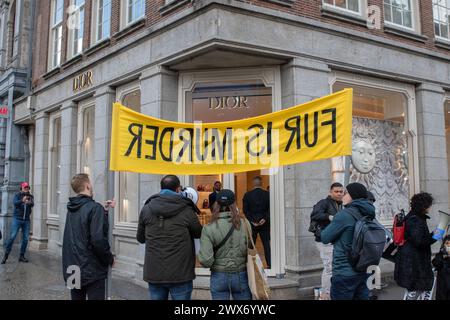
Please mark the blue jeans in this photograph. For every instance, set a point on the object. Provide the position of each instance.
(18, 224)
(225, 283)
(349, 287)
(178, 291)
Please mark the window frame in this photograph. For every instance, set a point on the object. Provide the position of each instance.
(362, 5)
(81, 12)
(124, 22)
(410, 124)
(271, 77)
(415, 18)
(82, 107)
(55, 26)
(434, 21)
(50, 175)
(120, 93)
(95, 22)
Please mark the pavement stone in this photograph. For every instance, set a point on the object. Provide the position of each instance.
(41, 279)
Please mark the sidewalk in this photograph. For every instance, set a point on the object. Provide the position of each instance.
(41, 279)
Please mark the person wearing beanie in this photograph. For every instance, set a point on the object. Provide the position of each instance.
(347, 283)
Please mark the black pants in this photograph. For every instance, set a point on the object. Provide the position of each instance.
(93, 291)
(264, 234)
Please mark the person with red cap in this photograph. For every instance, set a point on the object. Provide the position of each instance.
(23, 204)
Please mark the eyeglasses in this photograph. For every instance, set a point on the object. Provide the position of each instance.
(345, 192)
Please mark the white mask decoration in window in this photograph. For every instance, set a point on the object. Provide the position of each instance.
(363, 155)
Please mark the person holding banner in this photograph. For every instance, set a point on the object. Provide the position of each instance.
(223, 249)
(257, 211)
(413, 269)
(168, 224)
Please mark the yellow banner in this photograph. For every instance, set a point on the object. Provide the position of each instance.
(315, 130)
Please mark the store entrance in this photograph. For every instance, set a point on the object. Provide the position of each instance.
(227, 101)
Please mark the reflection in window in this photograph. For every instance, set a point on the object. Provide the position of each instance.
(56, 33)
(136, 10)
(380, 147)
(441, 16)
(102, 16)
(55, 165)
(129, 181)
(350, 5)
(87, 147)
(398, 12)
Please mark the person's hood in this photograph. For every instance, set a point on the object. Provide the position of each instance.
(364, 207)
(75, 203)
(168, 205)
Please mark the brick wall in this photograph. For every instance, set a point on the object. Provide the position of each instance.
(305, 8)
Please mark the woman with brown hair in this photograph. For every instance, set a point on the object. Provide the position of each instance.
(223, 249)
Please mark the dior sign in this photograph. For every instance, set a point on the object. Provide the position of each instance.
(230, 102)
(82, 81)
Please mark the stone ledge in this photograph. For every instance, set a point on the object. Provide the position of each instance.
(337, 14)
(129, 29)
(72, 61)
(405, 33)
(286, 3)
(165, 9)
(98, 46)
(51, 73)
(442, 43)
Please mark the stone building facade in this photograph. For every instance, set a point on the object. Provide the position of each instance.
(168, 58)
(16, 39)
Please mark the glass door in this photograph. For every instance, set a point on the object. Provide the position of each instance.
(227, 101)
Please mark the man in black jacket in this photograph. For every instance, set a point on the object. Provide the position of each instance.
(212, 196)
(257, 211)
(85, 245)
(321, 216)
(168, 224)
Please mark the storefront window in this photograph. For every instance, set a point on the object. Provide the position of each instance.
(227, 101)
(380, 153)
(129, 181)
(87, 144)
(54, 164)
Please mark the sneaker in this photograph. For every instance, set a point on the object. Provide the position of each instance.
(23, 259)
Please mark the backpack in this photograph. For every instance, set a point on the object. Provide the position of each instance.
(369, 240)
(399, 228)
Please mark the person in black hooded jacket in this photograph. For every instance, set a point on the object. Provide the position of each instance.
(168, 224)
(413, 270)
(85, 243)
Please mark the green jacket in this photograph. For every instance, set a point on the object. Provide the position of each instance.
(232, 256)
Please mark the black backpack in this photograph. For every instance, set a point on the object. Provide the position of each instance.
(369, 240)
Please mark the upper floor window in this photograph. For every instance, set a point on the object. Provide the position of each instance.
(132, 11)
(353, 6)
(101, 17)
(76, 28)
(56, 19)
(399, 12)
(441, 15)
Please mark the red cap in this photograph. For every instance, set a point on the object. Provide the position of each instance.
(24, 185)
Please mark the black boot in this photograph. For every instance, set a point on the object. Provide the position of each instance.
(5, 257)
(23, 259)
